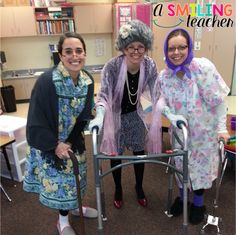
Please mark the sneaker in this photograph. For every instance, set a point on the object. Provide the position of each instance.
(88, 212)
(196, 215)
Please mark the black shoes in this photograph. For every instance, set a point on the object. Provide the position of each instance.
(196, 214)
(177, 207)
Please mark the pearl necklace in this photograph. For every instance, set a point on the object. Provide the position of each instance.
(131, 94)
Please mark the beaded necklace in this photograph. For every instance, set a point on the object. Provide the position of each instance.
(130, 94)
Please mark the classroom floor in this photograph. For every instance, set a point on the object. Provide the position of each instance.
(25, 215)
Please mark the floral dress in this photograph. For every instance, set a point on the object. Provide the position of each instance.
(57, 187)
(196, 99)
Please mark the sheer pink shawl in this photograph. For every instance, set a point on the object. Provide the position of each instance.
(110, 96)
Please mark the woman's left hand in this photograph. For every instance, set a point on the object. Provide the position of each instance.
(62, 150)
(224, 136)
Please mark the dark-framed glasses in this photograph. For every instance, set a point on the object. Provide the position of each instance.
(139, 49)
(70, 52)
(180, 48)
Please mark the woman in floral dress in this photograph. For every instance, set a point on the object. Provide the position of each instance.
(193, 88)
(60, 107)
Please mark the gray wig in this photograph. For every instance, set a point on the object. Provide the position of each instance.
(134, 31)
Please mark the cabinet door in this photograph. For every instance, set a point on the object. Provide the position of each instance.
(29, 84)
(93, 18)
(217, 44)
(17, 22)
(224, 47)
(19, 87)
(8, 24)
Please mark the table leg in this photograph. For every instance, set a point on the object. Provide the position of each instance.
(7, 162)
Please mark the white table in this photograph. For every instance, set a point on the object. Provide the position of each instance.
(15, 127)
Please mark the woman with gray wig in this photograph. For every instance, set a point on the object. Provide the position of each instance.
(125, 79)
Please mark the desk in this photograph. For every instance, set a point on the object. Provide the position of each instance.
(14, 127)
(4, 141)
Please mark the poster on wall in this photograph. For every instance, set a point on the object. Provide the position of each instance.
(124, 15)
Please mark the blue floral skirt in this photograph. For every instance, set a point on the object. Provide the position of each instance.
(56, 188)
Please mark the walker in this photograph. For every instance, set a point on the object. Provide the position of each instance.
(213, 219)
(127, 160)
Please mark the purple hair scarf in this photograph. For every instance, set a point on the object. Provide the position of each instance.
(183, 67)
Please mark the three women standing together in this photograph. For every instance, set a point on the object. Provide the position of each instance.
(189, 89)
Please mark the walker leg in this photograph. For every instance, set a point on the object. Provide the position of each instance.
(9, 199)
(103, 205)
(99, 208)
(169, 197)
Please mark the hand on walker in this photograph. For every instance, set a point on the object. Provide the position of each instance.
(98, 120)
(175, 118)
(224, 136)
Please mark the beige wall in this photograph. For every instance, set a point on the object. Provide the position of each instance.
(33, 52)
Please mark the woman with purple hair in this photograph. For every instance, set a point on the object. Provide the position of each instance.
(192, 88)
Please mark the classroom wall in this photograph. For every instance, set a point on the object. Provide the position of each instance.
(33, 52)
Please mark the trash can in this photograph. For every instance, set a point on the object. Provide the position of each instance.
(9, 99)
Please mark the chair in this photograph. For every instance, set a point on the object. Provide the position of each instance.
(4, 141)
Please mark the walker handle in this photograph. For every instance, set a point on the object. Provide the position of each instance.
(95, 128)
(94, 139)
(222, 140)
(180, 123)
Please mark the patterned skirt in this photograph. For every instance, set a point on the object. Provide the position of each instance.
(132, 133)
(56, 188)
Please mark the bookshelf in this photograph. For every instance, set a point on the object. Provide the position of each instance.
(54, 20)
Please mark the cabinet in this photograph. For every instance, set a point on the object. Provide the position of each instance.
(22, 86)
(218, 45)
(54, 20)
(93, 18)
(17, 22)
(12, 3)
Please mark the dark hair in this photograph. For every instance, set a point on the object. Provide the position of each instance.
(70, 35)
(177, 33)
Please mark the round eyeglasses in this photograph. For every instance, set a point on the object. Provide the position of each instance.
(139, 49)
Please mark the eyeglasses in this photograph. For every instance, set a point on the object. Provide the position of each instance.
(140, 49)
(179, 48)
(69, 52)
